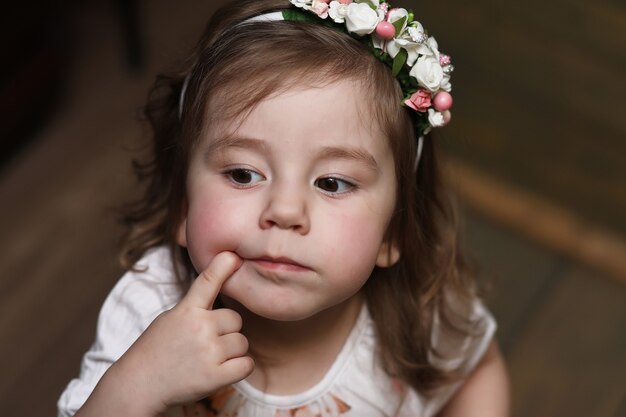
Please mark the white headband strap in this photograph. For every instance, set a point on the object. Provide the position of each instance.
(181, 98)
(266, 17)
(420, 145)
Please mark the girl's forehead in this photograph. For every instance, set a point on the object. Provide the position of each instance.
(336, 108)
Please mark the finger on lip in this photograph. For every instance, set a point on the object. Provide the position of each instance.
(205, 289)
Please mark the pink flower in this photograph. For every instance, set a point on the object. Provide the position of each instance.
(419, 101)
(320, 8)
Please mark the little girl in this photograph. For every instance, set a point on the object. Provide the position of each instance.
(293, 174)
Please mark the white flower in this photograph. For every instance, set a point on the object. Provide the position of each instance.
(397, 14)
(405, 41)
(445, 83)
(435, 118)
(428, 73)
(302, 4)
(338, 11)
(434, 47)
(374, 3)
(417, 33)
(361, 19)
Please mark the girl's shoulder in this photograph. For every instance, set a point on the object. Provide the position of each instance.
(462, 345)
(150, 287)
(458, 351)
(140, 295)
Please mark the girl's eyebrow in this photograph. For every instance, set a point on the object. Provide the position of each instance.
(355, 154)
(359, 155)
(233, 141)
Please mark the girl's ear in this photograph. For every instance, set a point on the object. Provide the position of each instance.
(181, 233)
(388, 255)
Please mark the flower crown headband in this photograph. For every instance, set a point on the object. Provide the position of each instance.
(394, 37)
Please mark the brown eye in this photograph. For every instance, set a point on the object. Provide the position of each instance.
(333, 185)
(242, 176)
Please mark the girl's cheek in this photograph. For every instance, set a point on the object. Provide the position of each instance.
(215, 227)
(355, 236)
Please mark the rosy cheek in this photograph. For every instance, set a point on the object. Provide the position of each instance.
(213, 228)
(348, 235)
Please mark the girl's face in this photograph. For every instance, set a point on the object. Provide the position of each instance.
(302, 190)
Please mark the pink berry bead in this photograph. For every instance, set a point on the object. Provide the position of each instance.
(345, 1)
(385, 30)
(442, 101)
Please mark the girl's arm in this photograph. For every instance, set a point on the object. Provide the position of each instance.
(485, 393)
(113, 396)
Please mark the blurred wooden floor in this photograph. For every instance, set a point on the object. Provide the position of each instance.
(562, 326)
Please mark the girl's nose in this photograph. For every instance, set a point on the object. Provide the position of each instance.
(286, 209)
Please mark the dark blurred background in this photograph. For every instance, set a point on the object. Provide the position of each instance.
(536, 153)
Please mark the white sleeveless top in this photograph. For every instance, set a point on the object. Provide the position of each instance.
(354, 386)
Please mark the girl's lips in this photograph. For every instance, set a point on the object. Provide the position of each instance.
(279, 264)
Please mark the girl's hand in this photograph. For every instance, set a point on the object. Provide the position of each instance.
(189, 351)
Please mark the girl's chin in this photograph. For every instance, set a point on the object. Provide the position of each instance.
(274, 310)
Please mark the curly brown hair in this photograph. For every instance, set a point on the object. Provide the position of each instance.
(236, 66)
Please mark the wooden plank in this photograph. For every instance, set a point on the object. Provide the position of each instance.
(48, 373)
(584, 175)
(558, 229)
(571, 360)
(621, 409)
(517, 274)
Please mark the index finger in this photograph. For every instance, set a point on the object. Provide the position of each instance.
(207, 285)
